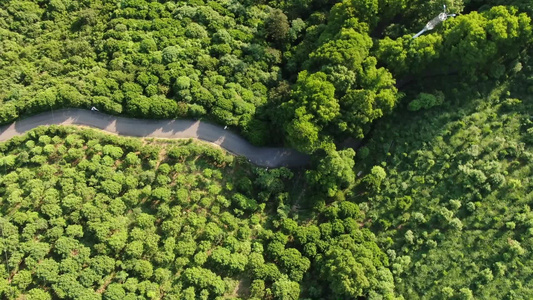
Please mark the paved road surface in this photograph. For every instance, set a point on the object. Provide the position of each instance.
(267, 157)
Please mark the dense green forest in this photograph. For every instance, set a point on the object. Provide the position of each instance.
(87, 215)
(422, 150)
(315, 72)
(454, 212)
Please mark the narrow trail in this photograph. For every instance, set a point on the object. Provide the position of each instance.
(171, 129)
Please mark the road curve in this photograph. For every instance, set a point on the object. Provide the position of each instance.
(262, 156)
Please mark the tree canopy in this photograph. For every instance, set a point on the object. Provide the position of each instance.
(419, 183)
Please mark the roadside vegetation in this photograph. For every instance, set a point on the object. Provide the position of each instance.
(430, 199)
(454, 211)
(90, 215)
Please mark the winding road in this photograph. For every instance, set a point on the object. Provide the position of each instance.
(261, 156)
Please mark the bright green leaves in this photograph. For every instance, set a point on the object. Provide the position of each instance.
(303, 134)
(318, 96)
(358, 105)
(284, 289)
(231, 263)
(375, 178)
(425, 101)
(405, 56)
(349, 48)
(351, 268)
(469, 44)
(467, 41)
(503, 23)
(364, 10)
(480, 41)
(315, 107)
(172, 54)
(334, 172)
(347, 90)
(204, 279)
(156, 106)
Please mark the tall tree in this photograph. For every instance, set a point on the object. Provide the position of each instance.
(351, 267)
(277, 26)
(334, 172)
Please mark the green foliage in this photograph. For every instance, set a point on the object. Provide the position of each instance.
(105, 48)
(365, 11)
(334, 172)
(470, 44)
(349, 270)
(285, 289)
(374, 179)
(277, 26)
(494, 32)
(341, 91)
(349, 48)
(146, 223)
(425, 101)
(405, 56)
(316, 107)
(454, 192)
(89, 216)
(302, 133)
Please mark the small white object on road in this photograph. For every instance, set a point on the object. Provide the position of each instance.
(225, 127)
(94, 108)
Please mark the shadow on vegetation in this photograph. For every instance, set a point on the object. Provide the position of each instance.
(172, 129)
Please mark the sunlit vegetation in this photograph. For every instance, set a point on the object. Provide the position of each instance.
(316, 71)
(454, 211)
(432, 200)
(141, 58)
(90, 215)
